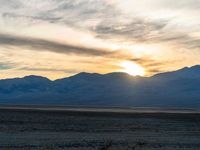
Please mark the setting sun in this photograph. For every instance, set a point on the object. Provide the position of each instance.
(132, 68)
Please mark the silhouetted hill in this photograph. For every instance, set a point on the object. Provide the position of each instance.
(179, 88)
(192, 72)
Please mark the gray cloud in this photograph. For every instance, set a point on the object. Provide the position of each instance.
(4, 66)
(45, 45)
(69, 12)
(39, 18)
(144, 31)
(137, 30)
(78, 12)
(10, 4)
(182, 4)
(48, 70)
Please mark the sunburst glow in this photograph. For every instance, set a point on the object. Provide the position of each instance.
(132, 68)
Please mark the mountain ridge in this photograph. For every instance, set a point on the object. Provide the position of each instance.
(171, 89)
(196, 67)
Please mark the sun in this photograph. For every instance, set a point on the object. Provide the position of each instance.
(132, 68)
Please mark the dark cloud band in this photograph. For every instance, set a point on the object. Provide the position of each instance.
(48, 70)
(46, 45)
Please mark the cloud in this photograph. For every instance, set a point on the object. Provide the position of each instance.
(181, 39)
(4, 66)
(48, 70)
(183, 4)
(137, 30)
(152, 66)
(75, 13)
(106, 19)
(35, 18)
(147, 31)
(46, 45)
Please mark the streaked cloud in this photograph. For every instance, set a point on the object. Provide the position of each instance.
(4, 66)
(48, 70)
(45, 45)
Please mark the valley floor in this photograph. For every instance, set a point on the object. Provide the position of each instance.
(23, 129)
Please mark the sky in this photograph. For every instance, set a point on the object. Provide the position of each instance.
(59, 38)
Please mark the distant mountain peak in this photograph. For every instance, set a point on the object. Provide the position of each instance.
(118, 74)
(188, 72)
(192, 68)
(35, 77)
(85, 74)
(197, 67)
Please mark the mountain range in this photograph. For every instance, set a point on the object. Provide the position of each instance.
(179, 88)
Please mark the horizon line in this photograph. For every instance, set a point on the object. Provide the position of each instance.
(98, 74)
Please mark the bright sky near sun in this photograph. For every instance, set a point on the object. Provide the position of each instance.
(59, 38)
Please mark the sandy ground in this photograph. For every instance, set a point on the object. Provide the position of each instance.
(76, 130)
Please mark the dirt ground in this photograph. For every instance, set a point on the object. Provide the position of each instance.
(50, 130)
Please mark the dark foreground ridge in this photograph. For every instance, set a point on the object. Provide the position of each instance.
(171, 89)
(80, 130)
